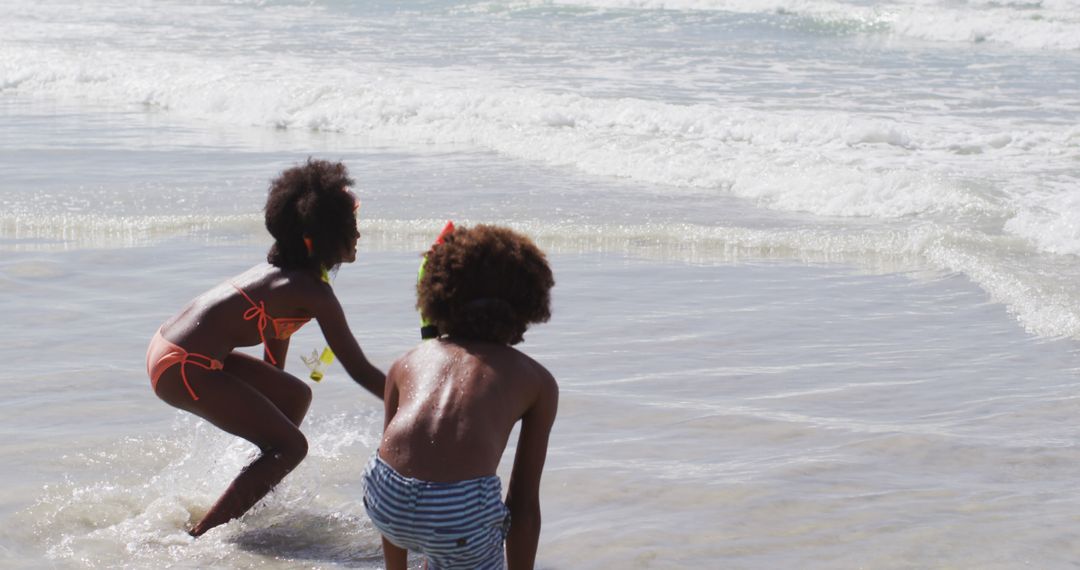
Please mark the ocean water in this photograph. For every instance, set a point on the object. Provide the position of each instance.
(815, 263)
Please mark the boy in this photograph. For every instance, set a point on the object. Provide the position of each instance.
(452, 402)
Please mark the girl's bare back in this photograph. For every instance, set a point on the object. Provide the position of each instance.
(227, 316)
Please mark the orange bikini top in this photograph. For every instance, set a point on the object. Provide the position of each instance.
(283, 327)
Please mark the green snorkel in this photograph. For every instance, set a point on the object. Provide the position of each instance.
(428, 330)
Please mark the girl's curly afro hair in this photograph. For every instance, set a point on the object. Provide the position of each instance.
(310, 201)
(485, 283)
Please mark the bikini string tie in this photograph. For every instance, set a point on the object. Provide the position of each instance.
(210, 364)
(257, 313)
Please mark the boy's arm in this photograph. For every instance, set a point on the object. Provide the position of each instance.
(390, 397)
(395, 557)
(523, 496)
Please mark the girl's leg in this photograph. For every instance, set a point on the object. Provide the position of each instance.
(290, 394)
(234, 405)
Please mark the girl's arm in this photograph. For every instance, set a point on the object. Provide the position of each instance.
(523, 495)
(339, 336)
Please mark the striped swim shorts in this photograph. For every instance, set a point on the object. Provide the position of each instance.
(461, 524)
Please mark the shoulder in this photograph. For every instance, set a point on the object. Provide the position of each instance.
(305, 288)
(543, 382)
(534, 368)
(408, 361)
(401, 364)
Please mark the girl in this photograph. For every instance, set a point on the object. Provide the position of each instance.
(311, 213)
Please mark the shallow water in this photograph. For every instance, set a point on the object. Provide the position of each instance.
(744, 415)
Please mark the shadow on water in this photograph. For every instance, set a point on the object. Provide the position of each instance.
(342, 539)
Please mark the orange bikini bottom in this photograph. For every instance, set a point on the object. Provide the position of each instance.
(162, 355)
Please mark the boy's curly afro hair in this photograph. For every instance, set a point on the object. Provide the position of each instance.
(310, 201)
(485, 283)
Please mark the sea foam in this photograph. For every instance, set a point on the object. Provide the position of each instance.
(1028, 25)
(825, 163)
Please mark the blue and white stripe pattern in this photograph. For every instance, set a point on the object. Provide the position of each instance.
(456, 525)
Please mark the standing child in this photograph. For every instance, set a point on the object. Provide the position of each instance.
(311, 213)
(452, 402)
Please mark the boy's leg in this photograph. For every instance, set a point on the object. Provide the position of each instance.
(396, 557)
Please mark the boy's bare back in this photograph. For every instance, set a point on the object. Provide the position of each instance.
(451, 406)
